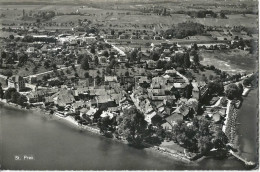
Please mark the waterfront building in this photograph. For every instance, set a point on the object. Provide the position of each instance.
(16, 82)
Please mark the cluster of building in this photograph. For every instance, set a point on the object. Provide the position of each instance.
(83, 97)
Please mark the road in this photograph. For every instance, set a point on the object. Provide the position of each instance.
(38, 74)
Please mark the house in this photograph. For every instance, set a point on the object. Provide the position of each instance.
(122, 37)
(78, 104)
(16, 82)
(157, 37)
(110, 36)
(107, 114)
(3, 79)
(145, 37)
(142, 81)
(151, 64)
(158, 82)
(149, 116)
(200, 90)
(171, 121)
(64, 97)
(88, 114)
(133, 37)
(30, 50)
(103, 60)
(105, 100)
(110, 78)
(92, 65)
(37, 96)
(128, 79)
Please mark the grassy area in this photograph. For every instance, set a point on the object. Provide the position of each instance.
(206, 73)
(229, 60)
(172, 146)
(233, 20)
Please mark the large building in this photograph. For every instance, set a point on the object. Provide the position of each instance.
(16, 82)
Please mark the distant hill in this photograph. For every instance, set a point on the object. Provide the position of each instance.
(85, 2)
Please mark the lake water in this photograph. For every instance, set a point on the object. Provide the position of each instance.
(248, 126)
(55, 145)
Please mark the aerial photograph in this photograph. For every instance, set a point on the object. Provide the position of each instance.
(129, 85)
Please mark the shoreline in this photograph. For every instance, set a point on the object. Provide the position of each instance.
(71, 122)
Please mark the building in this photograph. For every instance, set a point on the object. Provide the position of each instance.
(16, 82)
(199, 91)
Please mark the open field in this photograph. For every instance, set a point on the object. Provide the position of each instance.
(233, 61)
(248, 20)
(12, 13)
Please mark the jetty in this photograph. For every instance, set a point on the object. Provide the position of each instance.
(248, 163)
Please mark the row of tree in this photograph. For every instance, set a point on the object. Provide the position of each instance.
(183, 30)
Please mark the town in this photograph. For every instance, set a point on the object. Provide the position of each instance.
(141, 83)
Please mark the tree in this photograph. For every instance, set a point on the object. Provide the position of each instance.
(105, 53)
(8, 73)
(1, 91)
(14, 97)
(200, 136)
(210, 77)
(176, 93)
(54, 66)
(216, 87)
(195, 46)
(204, 78)
(126, 73)
(168, 65)
(240, 89)
(112, 32)
(196, 58)
(11, 37)
(104, 124)
(98, 80)
(84, 64)
(92, 50)
(187, 60)
(204, 144)
(112, 63)
(222, 15)
(86, 75)
(220, 139)
(9, 59)
(232, 92)
(96, 60)
(155, 56)
(46, 64)
(247, 82)
(9, 92)
(28, 38)
(161, 64)
(46, 77)
(22, 59)
(3, 54)
(188, 91)
(132, 126)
